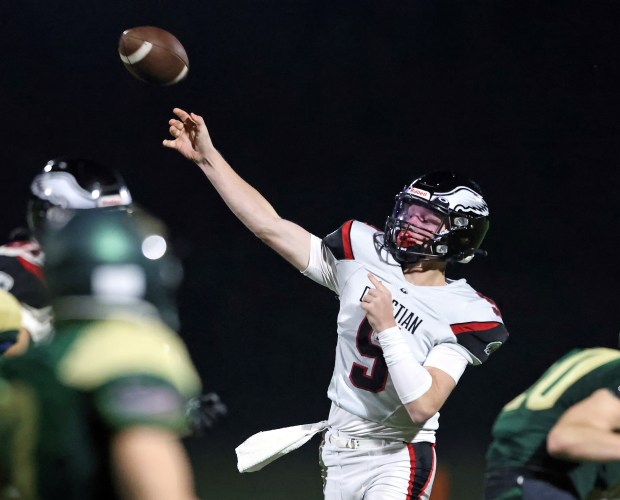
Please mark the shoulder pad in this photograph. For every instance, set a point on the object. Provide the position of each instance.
(352, 240)
(114, 349)
(339, 242)
(480, 338)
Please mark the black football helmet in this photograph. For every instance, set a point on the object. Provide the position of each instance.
(462, 216)
(68, 184)
(101, 262)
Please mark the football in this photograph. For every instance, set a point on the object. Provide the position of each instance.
(153, 55)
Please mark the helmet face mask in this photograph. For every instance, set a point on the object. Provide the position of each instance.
(440, 216)
(68, 185)
(416, 225)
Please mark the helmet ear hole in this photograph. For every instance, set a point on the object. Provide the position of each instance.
(461, 221)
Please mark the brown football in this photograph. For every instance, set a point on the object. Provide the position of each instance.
(153, 55)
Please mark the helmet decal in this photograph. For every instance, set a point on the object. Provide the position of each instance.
(62, 190)
(462, 199)
(66, 185)
(419, 192)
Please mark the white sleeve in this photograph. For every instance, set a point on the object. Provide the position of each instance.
(409, 378)
(448, 360)
(322, 265)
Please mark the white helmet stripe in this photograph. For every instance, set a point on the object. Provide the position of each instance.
(63, 190)
(464, 200)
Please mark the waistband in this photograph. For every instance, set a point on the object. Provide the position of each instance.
(356, 443)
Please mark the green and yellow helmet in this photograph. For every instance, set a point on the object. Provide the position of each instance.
(100, 263)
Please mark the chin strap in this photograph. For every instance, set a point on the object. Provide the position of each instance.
(464, 260)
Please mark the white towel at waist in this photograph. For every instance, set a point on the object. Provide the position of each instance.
(265, 447)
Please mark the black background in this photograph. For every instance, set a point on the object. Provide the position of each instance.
(329, 108)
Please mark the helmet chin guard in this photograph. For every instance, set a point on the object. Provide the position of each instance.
(442, 216)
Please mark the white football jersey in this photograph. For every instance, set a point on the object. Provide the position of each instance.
(454, 316)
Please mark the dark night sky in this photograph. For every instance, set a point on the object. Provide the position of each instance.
(329, 108)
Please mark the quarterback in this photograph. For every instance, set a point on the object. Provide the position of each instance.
(405, 332)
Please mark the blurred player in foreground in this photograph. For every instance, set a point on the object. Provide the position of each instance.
(10, 321)
(405, 332)
(64, 185)
(559, 439)
(97, 413)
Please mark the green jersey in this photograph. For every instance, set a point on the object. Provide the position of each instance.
(65, 400)
(520, 431)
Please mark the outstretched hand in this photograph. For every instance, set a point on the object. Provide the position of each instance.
(191, 137)
(377, 303)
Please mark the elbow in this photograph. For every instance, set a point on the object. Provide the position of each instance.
(266, 232)
(420, 413)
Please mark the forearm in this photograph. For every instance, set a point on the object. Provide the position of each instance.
(288, 239)
(432, 400)
(411, 380)
(151, 464)
(582, 442)
(588, 430)
(192, 140)
(250, 207)
(421, 390)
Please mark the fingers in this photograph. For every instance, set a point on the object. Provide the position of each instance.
(197, 118)
(183, 115)
(186, 118)
(176, 123)
(378, 285)
(380, 293)
(187, 128)
(176, 131)
(376, 293)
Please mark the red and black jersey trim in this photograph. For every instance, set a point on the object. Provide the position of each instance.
(32, 268)
(480, 338)
(26, 281)
(339, 242)
(422, 468)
